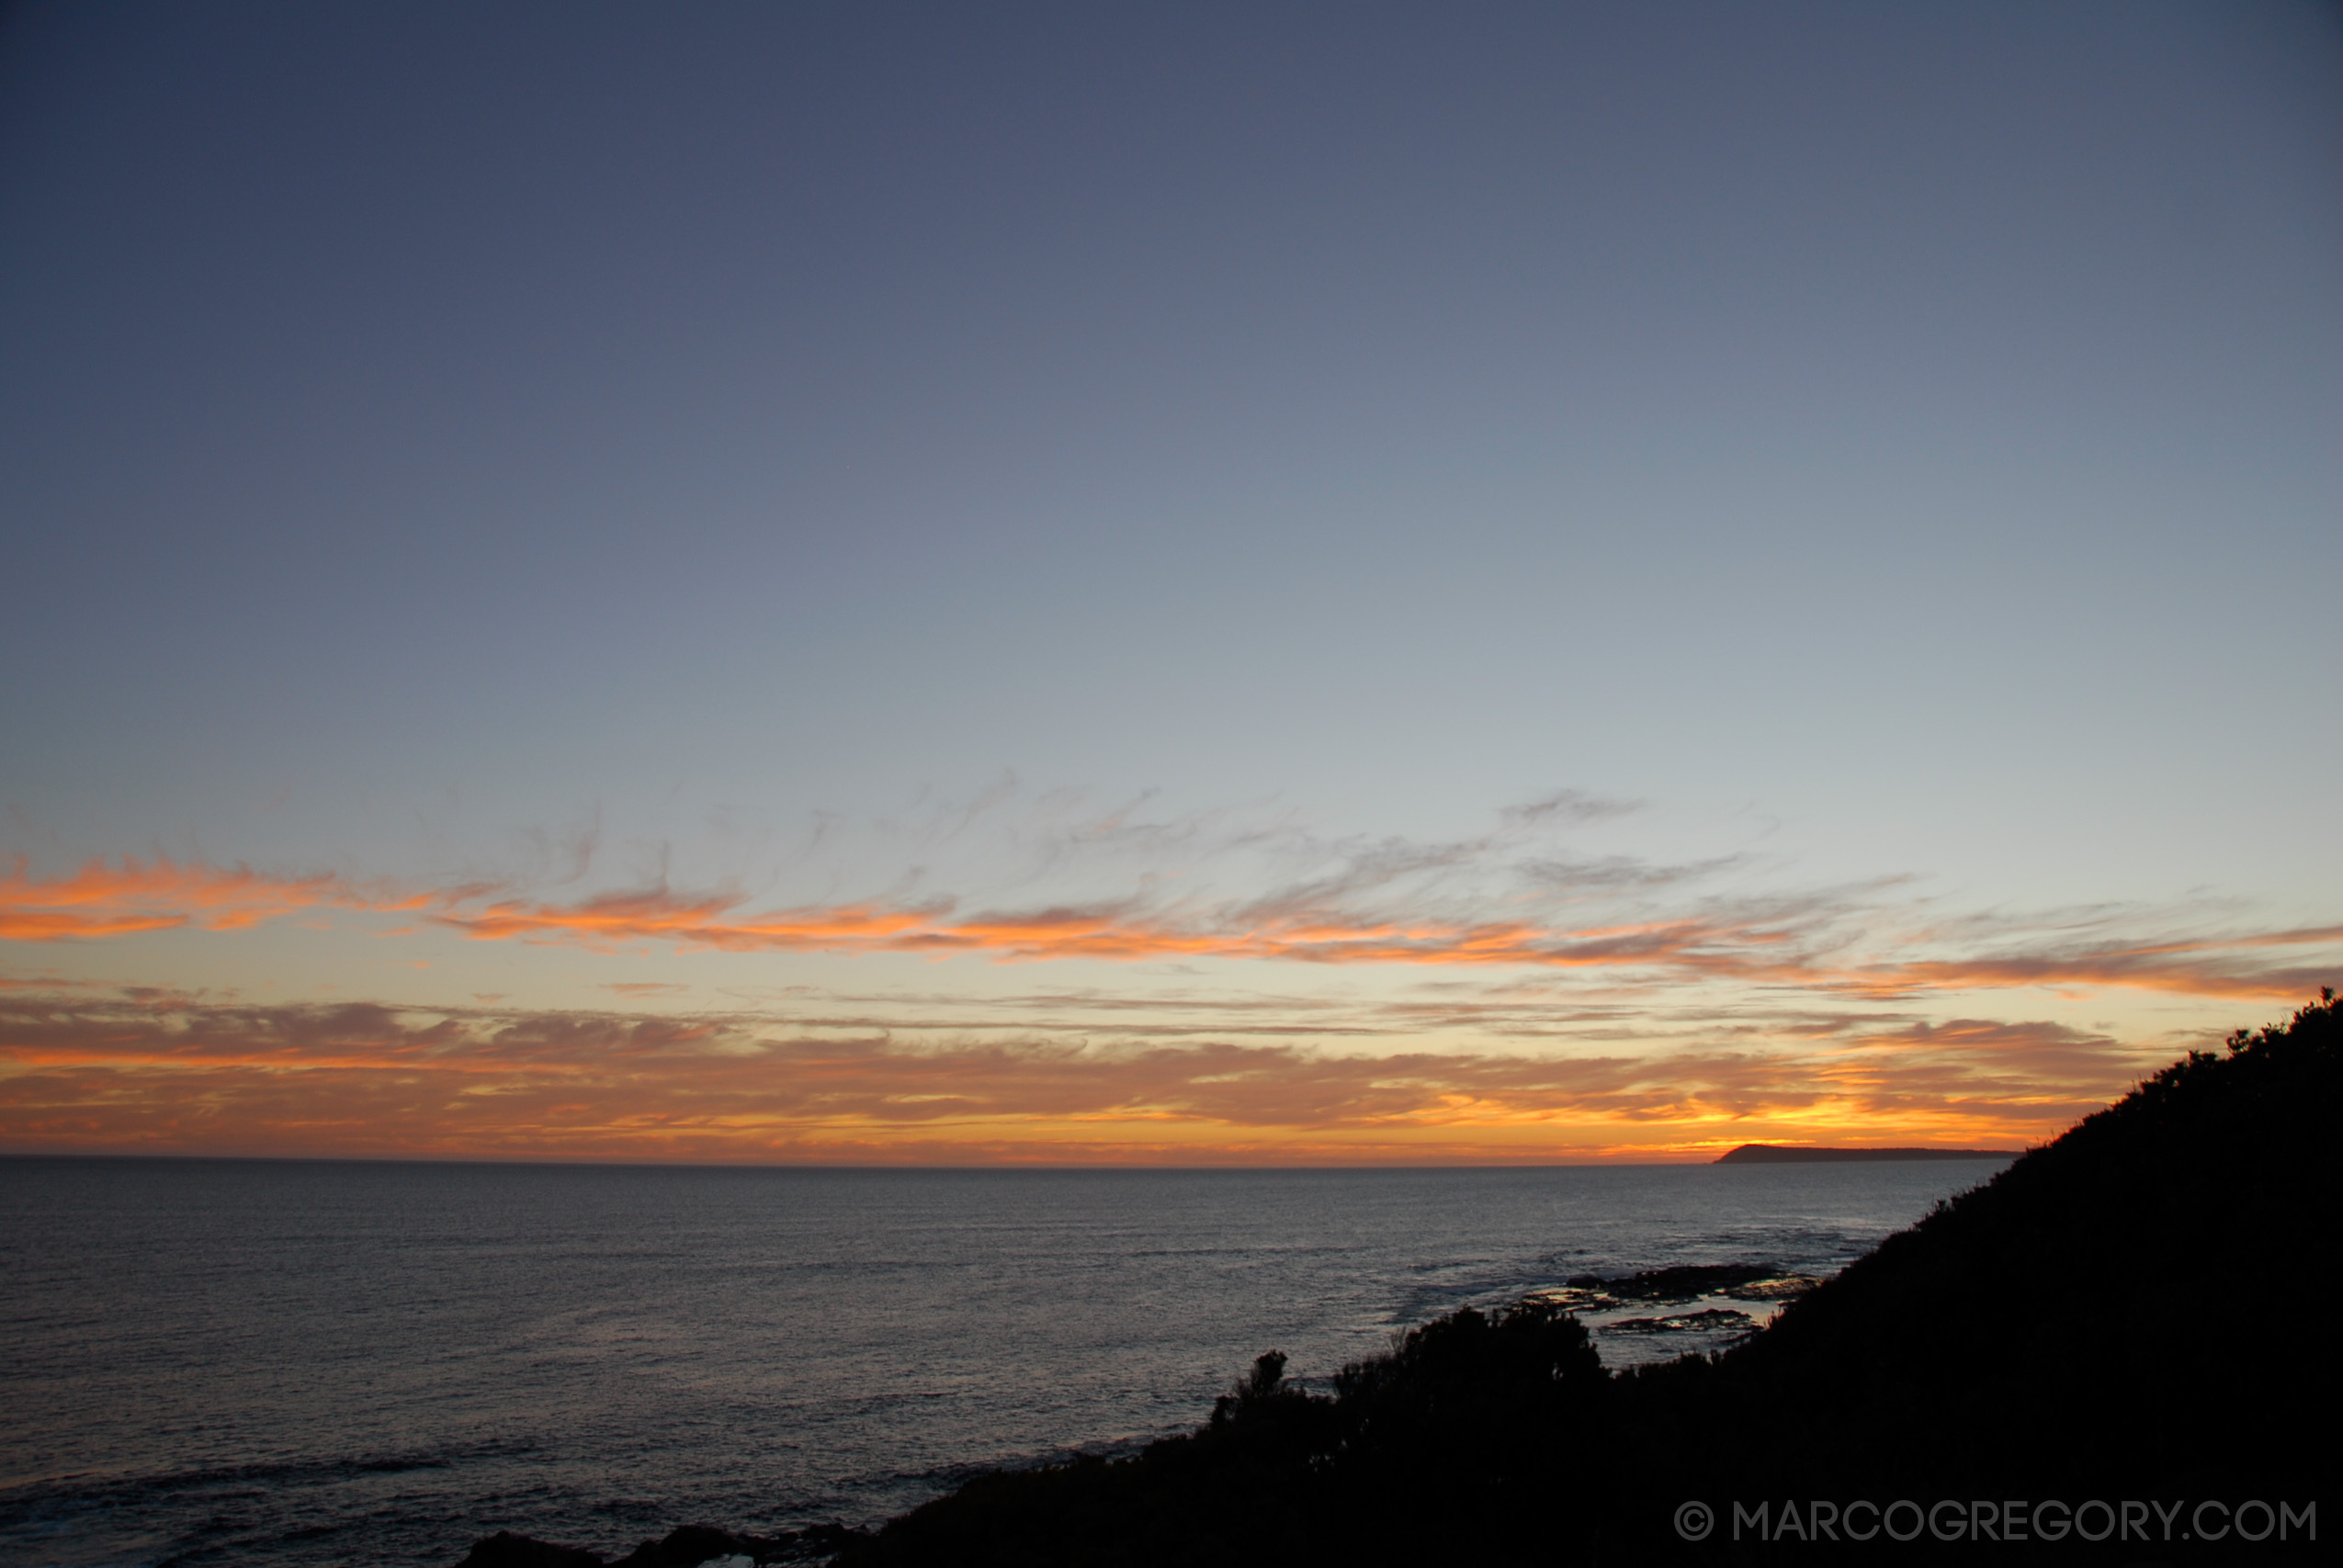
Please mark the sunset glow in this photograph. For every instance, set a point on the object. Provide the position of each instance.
(364, 1080)
(1259, 586)
(1671, 1036)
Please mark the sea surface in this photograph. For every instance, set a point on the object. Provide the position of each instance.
(280, 1363)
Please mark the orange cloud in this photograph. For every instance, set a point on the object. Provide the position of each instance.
(169, 1073)
(1801, 941)
(103, 900)
(1771, 946)
(703, 920)
(1125, 932)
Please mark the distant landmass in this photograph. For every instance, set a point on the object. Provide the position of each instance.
(1785, 1153)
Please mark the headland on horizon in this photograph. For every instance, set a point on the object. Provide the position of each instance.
(1794, 1154)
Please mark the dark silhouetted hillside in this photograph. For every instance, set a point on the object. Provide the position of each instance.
(2135, 1309)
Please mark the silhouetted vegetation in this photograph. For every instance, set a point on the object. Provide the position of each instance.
(1408, 1443)
(2136, 1310)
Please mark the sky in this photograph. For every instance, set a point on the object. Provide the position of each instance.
(1246, 584)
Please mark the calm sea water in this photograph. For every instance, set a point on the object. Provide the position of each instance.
(297, 1363)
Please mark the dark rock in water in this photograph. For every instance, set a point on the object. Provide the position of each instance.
(686, 1546)
(1740, 1282)
(506, 1550)
(1706, 1321)
(1781, 1287)
(1791, 1153)
(1684, 1283)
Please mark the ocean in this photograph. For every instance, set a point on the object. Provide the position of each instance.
(294, 1362)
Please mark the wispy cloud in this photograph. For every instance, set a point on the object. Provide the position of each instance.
(1115, 885)
(1815, 941)
(1309, 925)
(2217, 964)
(129, 1072)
